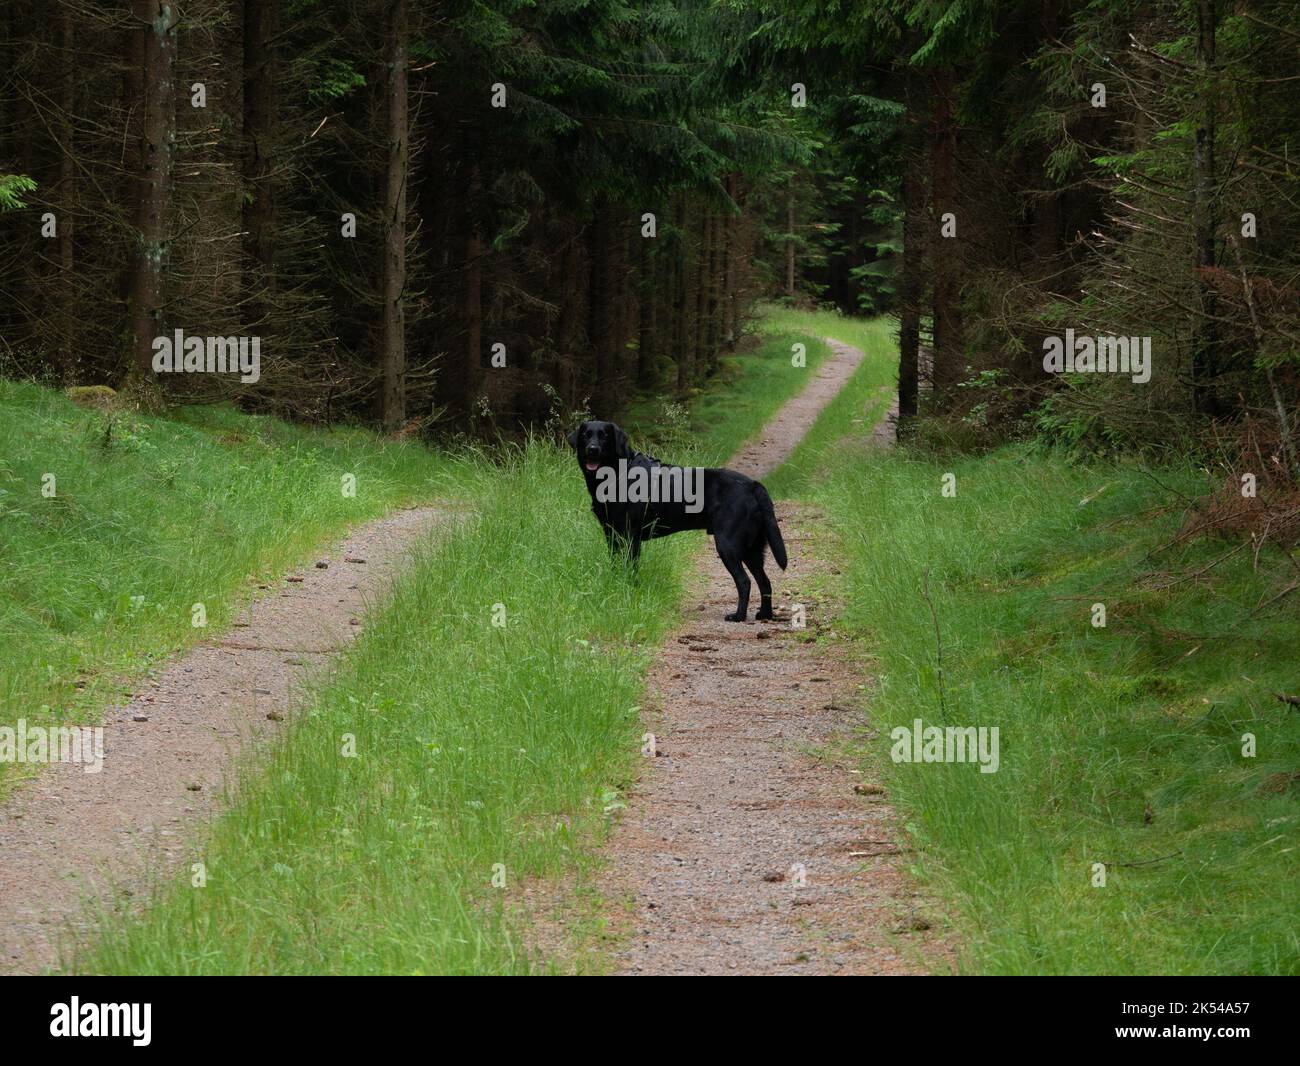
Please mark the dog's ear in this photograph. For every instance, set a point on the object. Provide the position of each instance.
(622, 446)
(573, 438)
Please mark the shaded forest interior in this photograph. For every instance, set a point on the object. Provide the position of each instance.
(472, 217)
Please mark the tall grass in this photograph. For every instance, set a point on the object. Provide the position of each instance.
(1120, 745)
(151, 515)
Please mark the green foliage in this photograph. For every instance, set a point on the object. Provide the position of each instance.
(333, 78)
(1058, 424)
(12, 188)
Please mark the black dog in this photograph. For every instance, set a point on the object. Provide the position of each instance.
(735, 509)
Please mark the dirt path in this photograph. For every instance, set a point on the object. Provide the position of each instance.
(741, 851)
(68, 837)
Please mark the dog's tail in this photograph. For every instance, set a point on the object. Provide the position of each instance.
(770, 527)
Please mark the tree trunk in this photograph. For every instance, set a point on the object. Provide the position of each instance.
(911, 286)
(132, 94)
(619, 319)
(67, 201)
(713, 287)
(789, 240)
(948, 347)
(393, 399)
(473, 311)
(571, 311)
(600, 310)
(157, 138)
(728, 327)
(1047, 209)
(702, 354)
(645, 349)
(1205, 340)
(685, 364)
(261, 24)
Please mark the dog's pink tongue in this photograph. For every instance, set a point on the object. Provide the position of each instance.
(593, 466)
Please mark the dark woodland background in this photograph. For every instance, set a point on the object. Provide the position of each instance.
(1172, 211)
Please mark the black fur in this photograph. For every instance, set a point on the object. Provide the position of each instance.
(737, 512)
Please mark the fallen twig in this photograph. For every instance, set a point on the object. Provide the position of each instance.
(1273, 599)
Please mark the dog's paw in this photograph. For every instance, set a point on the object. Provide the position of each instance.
(735, 616)
(764, 616)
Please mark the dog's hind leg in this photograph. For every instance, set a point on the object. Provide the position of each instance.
(754, 560)
(731, 560)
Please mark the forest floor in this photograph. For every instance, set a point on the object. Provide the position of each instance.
(77, 845)
(751, 844)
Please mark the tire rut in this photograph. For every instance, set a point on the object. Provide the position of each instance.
(73, 843)
(752, 844)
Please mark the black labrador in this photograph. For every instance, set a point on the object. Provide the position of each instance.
(635, 497)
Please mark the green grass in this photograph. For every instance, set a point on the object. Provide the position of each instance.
(1120, 745)
(476, 745)
(864, 333)
(150, 516)
(747, 390)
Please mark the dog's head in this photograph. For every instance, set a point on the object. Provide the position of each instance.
(599, 444)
